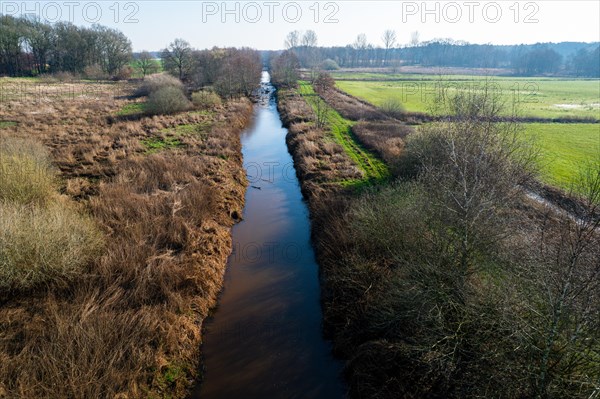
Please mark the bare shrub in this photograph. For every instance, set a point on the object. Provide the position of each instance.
(167, 100)
(44, 245)
(393, 108)
(206, 99)
(324, 82)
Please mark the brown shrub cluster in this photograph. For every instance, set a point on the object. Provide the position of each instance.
(348, 106)
(386, 138)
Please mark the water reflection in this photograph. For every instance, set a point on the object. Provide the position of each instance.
(265, 340)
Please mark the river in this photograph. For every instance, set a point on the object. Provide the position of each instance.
(264, 339)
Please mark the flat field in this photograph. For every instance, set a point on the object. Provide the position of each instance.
(564, 147)
(551, 98)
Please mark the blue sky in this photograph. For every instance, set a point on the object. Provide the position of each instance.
(152, 25)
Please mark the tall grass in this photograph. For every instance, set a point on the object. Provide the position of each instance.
(26, 175)
(44, 245)
(43, 240)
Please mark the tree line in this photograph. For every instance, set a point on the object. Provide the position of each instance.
(30, 47)
(576, 59)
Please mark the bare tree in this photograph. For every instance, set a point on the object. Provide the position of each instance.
(321, 112)
(414, 39)
(389, 41)
(309, 39)
(285, 68)
(177, 58)
(361, 45)
(473, 167)
(292, 39)
(558, 322)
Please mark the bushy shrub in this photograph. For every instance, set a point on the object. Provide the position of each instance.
(153, 83)
(324, 81)
(330, 65)
(26, 175)
(43, 245)
(206, 99)
(167, 100)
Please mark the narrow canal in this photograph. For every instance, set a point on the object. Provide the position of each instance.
(265, 338)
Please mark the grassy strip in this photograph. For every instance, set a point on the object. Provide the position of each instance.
(5, 124)
(132, 109)
(156, 144)
(341, 131)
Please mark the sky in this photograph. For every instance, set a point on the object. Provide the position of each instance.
(151, 25)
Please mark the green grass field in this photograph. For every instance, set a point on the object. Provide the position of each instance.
(564, 149)
(536, 97)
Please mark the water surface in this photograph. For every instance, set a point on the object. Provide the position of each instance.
(265, 338)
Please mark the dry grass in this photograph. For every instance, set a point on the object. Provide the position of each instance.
(129, 325)
(44, 246)
(26, 175)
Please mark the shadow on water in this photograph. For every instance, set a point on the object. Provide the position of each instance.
(265, 338)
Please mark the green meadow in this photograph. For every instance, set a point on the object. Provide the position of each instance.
(535, 97)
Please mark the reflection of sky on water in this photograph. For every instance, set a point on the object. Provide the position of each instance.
(265, 338)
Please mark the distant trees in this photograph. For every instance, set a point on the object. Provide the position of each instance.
(114, 49)
(309, 39)
(239, 72)
(31, 47)
(586, 63)
(538, 61)
(292, 40)
(579, 59)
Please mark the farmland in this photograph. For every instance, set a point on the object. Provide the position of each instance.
(564, 147)
(535, 97)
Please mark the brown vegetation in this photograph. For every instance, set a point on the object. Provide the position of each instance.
(386, 138)
(348, 106)
(128, 324)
